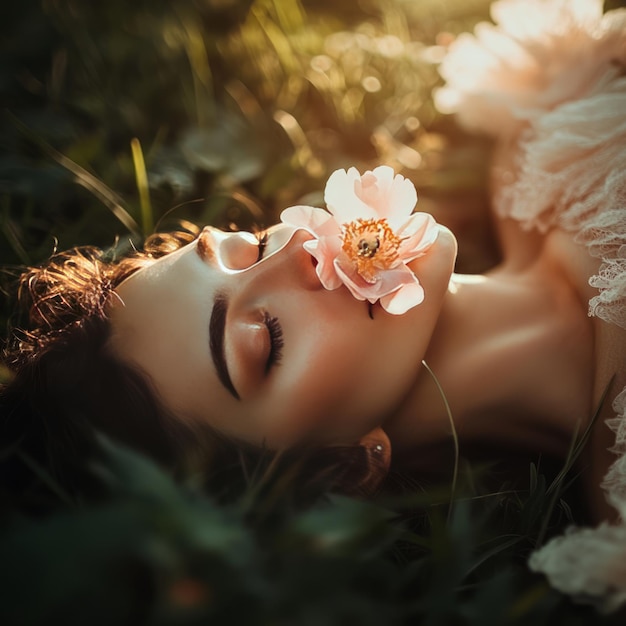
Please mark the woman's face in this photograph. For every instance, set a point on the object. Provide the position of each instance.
(260, 351)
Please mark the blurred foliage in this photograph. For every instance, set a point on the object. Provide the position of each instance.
(241, 108)
(150, 551)
(120, 117)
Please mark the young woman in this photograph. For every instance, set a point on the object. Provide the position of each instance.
(234, 337)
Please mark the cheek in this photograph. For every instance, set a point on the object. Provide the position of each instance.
(367, 367)
(336, 389)
(343, 373)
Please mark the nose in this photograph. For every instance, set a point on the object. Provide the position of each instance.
(285, 258)
(237, 251)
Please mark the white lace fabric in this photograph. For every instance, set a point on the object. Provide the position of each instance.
(549, 78)
(590, 563)
(571, 173)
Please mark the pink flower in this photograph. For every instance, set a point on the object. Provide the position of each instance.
(368, 235)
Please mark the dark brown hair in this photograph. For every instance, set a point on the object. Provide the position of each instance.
(65, 383)
(67, 386)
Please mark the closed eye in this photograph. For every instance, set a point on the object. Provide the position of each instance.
(277, 342)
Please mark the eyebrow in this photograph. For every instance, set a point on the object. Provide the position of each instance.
(217, 328)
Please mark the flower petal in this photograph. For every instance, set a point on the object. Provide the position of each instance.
(405, 298)
(389, 280)
(341, 197)
(418, 234)
(325, 250)
(316, 221)
(397, 195)
(378, 196)
(373, 189)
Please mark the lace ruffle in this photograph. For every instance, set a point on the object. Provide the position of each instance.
(571, 172)
(539, 54)
(615, 480)
(590, 563)
(551, 74)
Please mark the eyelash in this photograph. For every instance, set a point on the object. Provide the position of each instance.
(272, 324)
(276, 341)
(262, 239)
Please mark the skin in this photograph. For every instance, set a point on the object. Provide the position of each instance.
(521, 364)
(341, 375)
(513, 350)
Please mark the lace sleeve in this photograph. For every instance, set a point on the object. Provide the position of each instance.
(550, 75)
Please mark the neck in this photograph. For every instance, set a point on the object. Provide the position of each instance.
(512, 352)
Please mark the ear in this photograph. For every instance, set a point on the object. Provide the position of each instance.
(378, 454)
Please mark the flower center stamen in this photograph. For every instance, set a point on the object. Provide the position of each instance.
(371, 245)
(367, 247)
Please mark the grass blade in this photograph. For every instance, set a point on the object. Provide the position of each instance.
(141, 177)
(455, 437)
